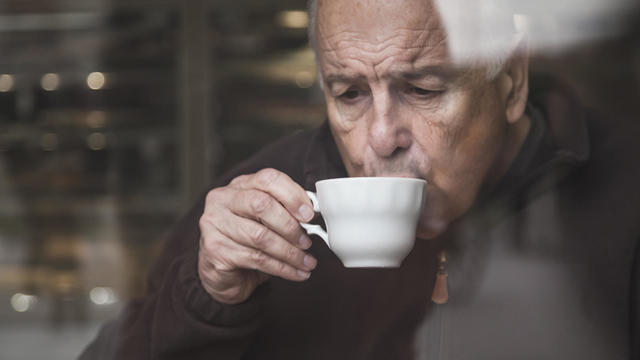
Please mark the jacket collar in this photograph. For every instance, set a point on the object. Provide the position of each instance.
(566, 117)
(564, 146)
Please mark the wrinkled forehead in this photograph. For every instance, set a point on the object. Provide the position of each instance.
(415, 23)
(462, 33)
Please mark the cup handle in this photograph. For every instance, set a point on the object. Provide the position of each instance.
(315, 229)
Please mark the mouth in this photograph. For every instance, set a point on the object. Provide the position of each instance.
(400, 175)
(402, 168)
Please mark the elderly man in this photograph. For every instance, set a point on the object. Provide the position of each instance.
(528, 221)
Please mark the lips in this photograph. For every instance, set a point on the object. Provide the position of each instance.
(410, 176)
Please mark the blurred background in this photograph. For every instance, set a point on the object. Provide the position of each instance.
(116, 114)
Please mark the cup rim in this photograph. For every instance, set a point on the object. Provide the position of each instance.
(373, 179)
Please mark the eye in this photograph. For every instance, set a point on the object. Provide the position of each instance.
(350, 94)
(420, 91)
(421, 94)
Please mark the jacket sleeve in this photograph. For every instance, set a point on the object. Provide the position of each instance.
(635, 304)
(177, 318)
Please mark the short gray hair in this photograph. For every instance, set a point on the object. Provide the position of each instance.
(493, 66)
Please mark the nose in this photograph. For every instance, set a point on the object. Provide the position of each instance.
(388, 132)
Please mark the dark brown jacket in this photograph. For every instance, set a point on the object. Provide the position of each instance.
(544, 266)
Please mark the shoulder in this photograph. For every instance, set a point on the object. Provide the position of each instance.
(594, 199)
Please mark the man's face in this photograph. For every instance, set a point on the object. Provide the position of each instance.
(398, 107)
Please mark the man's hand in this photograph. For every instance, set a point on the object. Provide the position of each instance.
(250, 230)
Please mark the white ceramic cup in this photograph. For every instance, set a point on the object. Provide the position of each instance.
(371, 221)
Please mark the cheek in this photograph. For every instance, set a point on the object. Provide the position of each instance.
(437, 133)
(351, 139)
(462, 135)
(350, 113)
(462, 143)
(482, 136)
(343, 118)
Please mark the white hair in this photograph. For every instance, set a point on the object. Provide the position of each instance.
(493, 64)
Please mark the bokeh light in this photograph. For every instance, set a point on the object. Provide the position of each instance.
(6, 83)
(50, 81)
(22, 302)
(304, 79)
(293, 19)
(96, 80)
(96, 119)
(96, 141)
(102, 296)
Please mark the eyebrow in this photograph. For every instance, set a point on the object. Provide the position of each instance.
(438, 71)
(334, 78)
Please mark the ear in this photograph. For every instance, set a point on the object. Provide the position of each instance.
(514, 83)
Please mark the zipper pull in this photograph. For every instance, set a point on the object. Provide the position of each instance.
(440, 293)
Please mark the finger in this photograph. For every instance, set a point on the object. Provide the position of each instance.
(261, 261)
(254, 235)
(224, 255)
(282, 188)
(262, 207)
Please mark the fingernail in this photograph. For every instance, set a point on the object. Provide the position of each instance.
(306, 212)
(304, 241)
(309, 262)
(303, 274)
